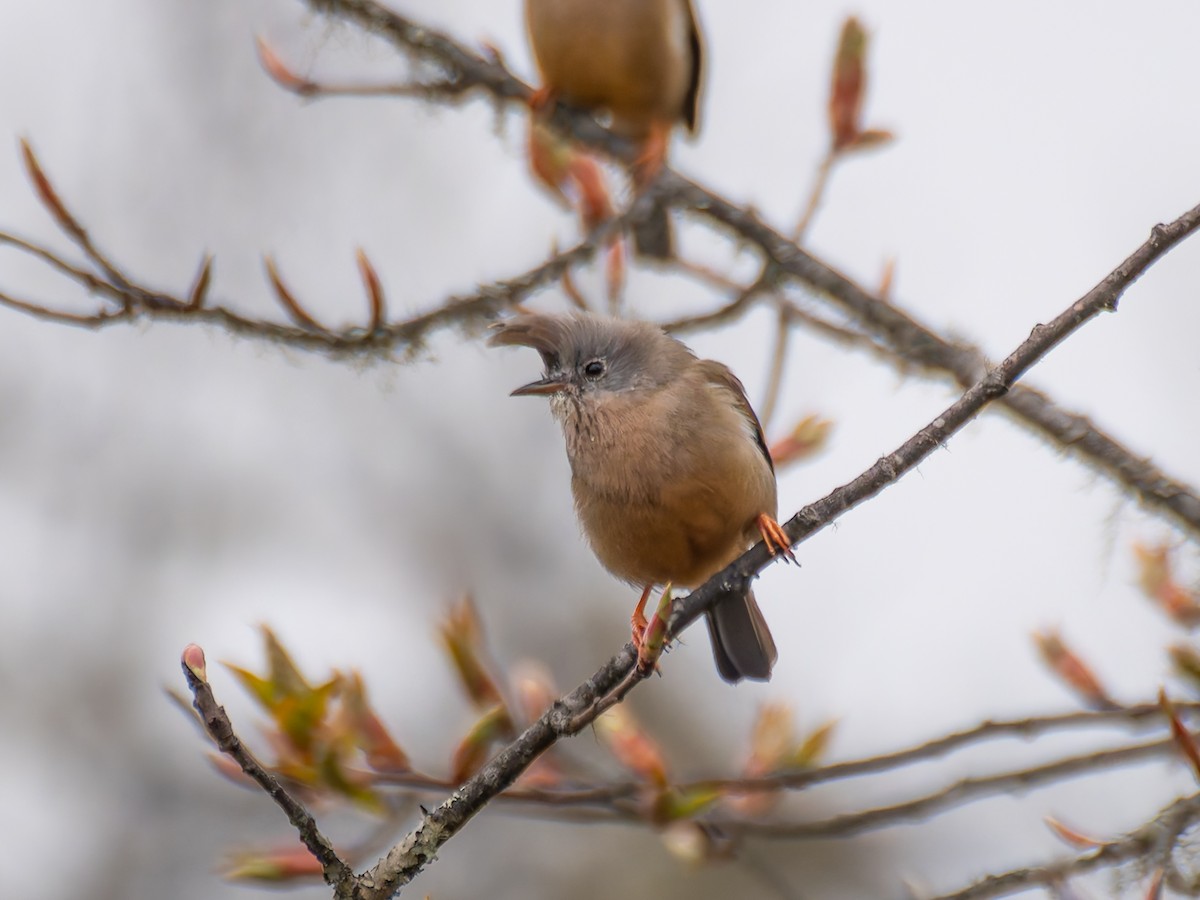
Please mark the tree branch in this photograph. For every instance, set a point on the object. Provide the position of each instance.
(582, 705)
(1156, 838)
(220, 729)
(908, 338)
(912, 341)
(617, 801)
(572, 713)
(407, 336)
(992, 386)
(1141, 714)
(956, 794)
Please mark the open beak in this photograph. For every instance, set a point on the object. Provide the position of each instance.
(551, 384)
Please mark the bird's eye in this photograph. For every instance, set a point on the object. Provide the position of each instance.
(594, 369)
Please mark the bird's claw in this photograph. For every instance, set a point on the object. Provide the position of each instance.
(776, 538)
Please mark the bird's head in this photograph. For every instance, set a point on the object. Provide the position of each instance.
(587, 356)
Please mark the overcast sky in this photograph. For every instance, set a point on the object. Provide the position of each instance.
(162, 484)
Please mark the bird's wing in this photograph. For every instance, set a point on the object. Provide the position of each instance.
(691, 102)
(719, 374)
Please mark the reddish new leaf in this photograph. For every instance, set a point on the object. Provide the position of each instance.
(848, 85)
(1157, 580)
(472, 752)
(1076, 839)
(632, 746)
(288, 300)
(808, 437)
(280, 73)
(47, 194)
(462, 635)
(199, 292)
(278, 864)
(1072, 670)
(382, 753)
(374, 290)
(1183, 737)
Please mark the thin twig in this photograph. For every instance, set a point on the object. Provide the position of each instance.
(1141, 716)
(707, 275)
(815, 194)
(220, 729)
(1156, 837)
(779, 355)
(745, 298)
(406, 336)
(956, 794)
(838, 334)
(783, 321)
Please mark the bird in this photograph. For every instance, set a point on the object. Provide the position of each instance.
(641, 61)
(670, 473)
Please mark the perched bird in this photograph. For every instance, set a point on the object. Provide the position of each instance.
(669, 469)
(638, 60)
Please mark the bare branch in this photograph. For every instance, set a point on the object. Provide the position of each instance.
(953, 795)
(815, 194)
(220, 729)
(740, 304)
(1154, 839)
(1147, 715)
(1142, 715)
(405, 336)
(427, 44)
(441, 89)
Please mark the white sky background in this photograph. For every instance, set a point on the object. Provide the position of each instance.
(166, 484)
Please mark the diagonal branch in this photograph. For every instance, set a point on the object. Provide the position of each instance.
(914, 342)
(579, 708)
(911, 341)
(409, 857)
(995, 384)
(220, 729)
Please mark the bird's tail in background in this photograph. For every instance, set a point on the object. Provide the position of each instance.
(652, 236)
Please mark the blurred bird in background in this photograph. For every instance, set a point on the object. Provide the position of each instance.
(639, 61)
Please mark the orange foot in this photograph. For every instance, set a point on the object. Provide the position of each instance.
(775, 538)
(542, 99)
(653, 154)
(637, 621)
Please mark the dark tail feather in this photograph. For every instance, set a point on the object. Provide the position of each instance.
(742, 643)
(652, 236)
